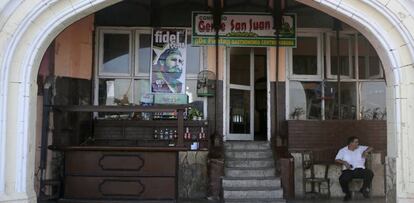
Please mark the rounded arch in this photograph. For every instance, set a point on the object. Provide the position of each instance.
(386, 25)
(26, 33)
(31, 27)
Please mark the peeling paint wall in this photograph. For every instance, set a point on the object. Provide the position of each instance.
(73, 50)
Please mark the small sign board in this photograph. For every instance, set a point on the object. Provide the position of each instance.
(243, 30)
(170, 98)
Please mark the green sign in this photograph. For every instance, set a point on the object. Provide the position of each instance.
(243, 30)
(170, 98)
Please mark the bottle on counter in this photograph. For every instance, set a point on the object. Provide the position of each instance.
(187, 134)
(166, 134)
(202, 135)
(161, 134)
(155, 134)
(171, 134)
(175, 134)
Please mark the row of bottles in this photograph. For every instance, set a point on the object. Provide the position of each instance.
(165, 134)
(164, 115)
(201, 135)
(170, 134)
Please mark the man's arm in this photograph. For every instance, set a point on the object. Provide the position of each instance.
(367, 151)
(346, 164)
(339, 158)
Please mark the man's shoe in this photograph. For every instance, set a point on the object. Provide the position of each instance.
(347, 197)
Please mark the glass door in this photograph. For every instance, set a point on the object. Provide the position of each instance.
(240, 93)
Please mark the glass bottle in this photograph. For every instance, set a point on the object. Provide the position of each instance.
(155, 134)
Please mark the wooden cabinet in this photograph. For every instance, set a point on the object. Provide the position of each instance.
(120, 173)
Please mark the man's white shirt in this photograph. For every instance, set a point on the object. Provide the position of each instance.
(352, 157)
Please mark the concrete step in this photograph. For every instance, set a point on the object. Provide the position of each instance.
(248, 200)
(251, 182)
(252, 193)
(246, 145)
(249, 172)
(266, 162)
(250, 154)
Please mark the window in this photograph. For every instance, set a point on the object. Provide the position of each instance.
(313, 87)
(116, 55)
(346, 56)
(306, 58)
(347, 109)
(372, 100)
(124, 64)
(305, 100)
(369, 64)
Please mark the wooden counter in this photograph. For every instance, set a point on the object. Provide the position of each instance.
(108, 173)
(127, 160)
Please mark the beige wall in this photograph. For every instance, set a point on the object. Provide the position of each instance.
(272, 64)
(73, 50)
(211, 60)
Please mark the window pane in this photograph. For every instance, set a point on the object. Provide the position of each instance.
(193, 58)
(144, 53)
(115, 91)
(191, 91)
(141, 87)
(304, 100)
(348, 101)
(369, 63)
(239, 111)
(240, 66)
(305, 56)
(116, 56)
(373, 101)
(346, 53)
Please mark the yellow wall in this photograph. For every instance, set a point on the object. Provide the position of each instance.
(211, 60)
(73, 50)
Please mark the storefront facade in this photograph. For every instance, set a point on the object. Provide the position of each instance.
(246, 78)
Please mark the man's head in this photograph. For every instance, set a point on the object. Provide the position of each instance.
(172, 62)
(353, 142)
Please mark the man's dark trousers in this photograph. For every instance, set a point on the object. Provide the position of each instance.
(348, 175)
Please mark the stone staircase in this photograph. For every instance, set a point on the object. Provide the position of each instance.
(250, 173)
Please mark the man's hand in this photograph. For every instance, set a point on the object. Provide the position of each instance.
(366, 152)
(345, 163)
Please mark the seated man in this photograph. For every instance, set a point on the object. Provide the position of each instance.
(352, 157)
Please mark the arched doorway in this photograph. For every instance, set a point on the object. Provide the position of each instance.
(33, 25)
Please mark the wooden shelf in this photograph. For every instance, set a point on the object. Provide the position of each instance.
(114, 148)
(123, 109)
(148, 123)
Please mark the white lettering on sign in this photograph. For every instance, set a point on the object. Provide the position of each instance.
(166, 37)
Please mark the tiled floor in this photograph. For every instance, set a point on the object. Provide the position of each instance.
(358, 200)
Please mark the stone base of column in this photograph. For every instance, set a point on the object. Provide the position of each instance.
(18, 198)
(391, 180)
